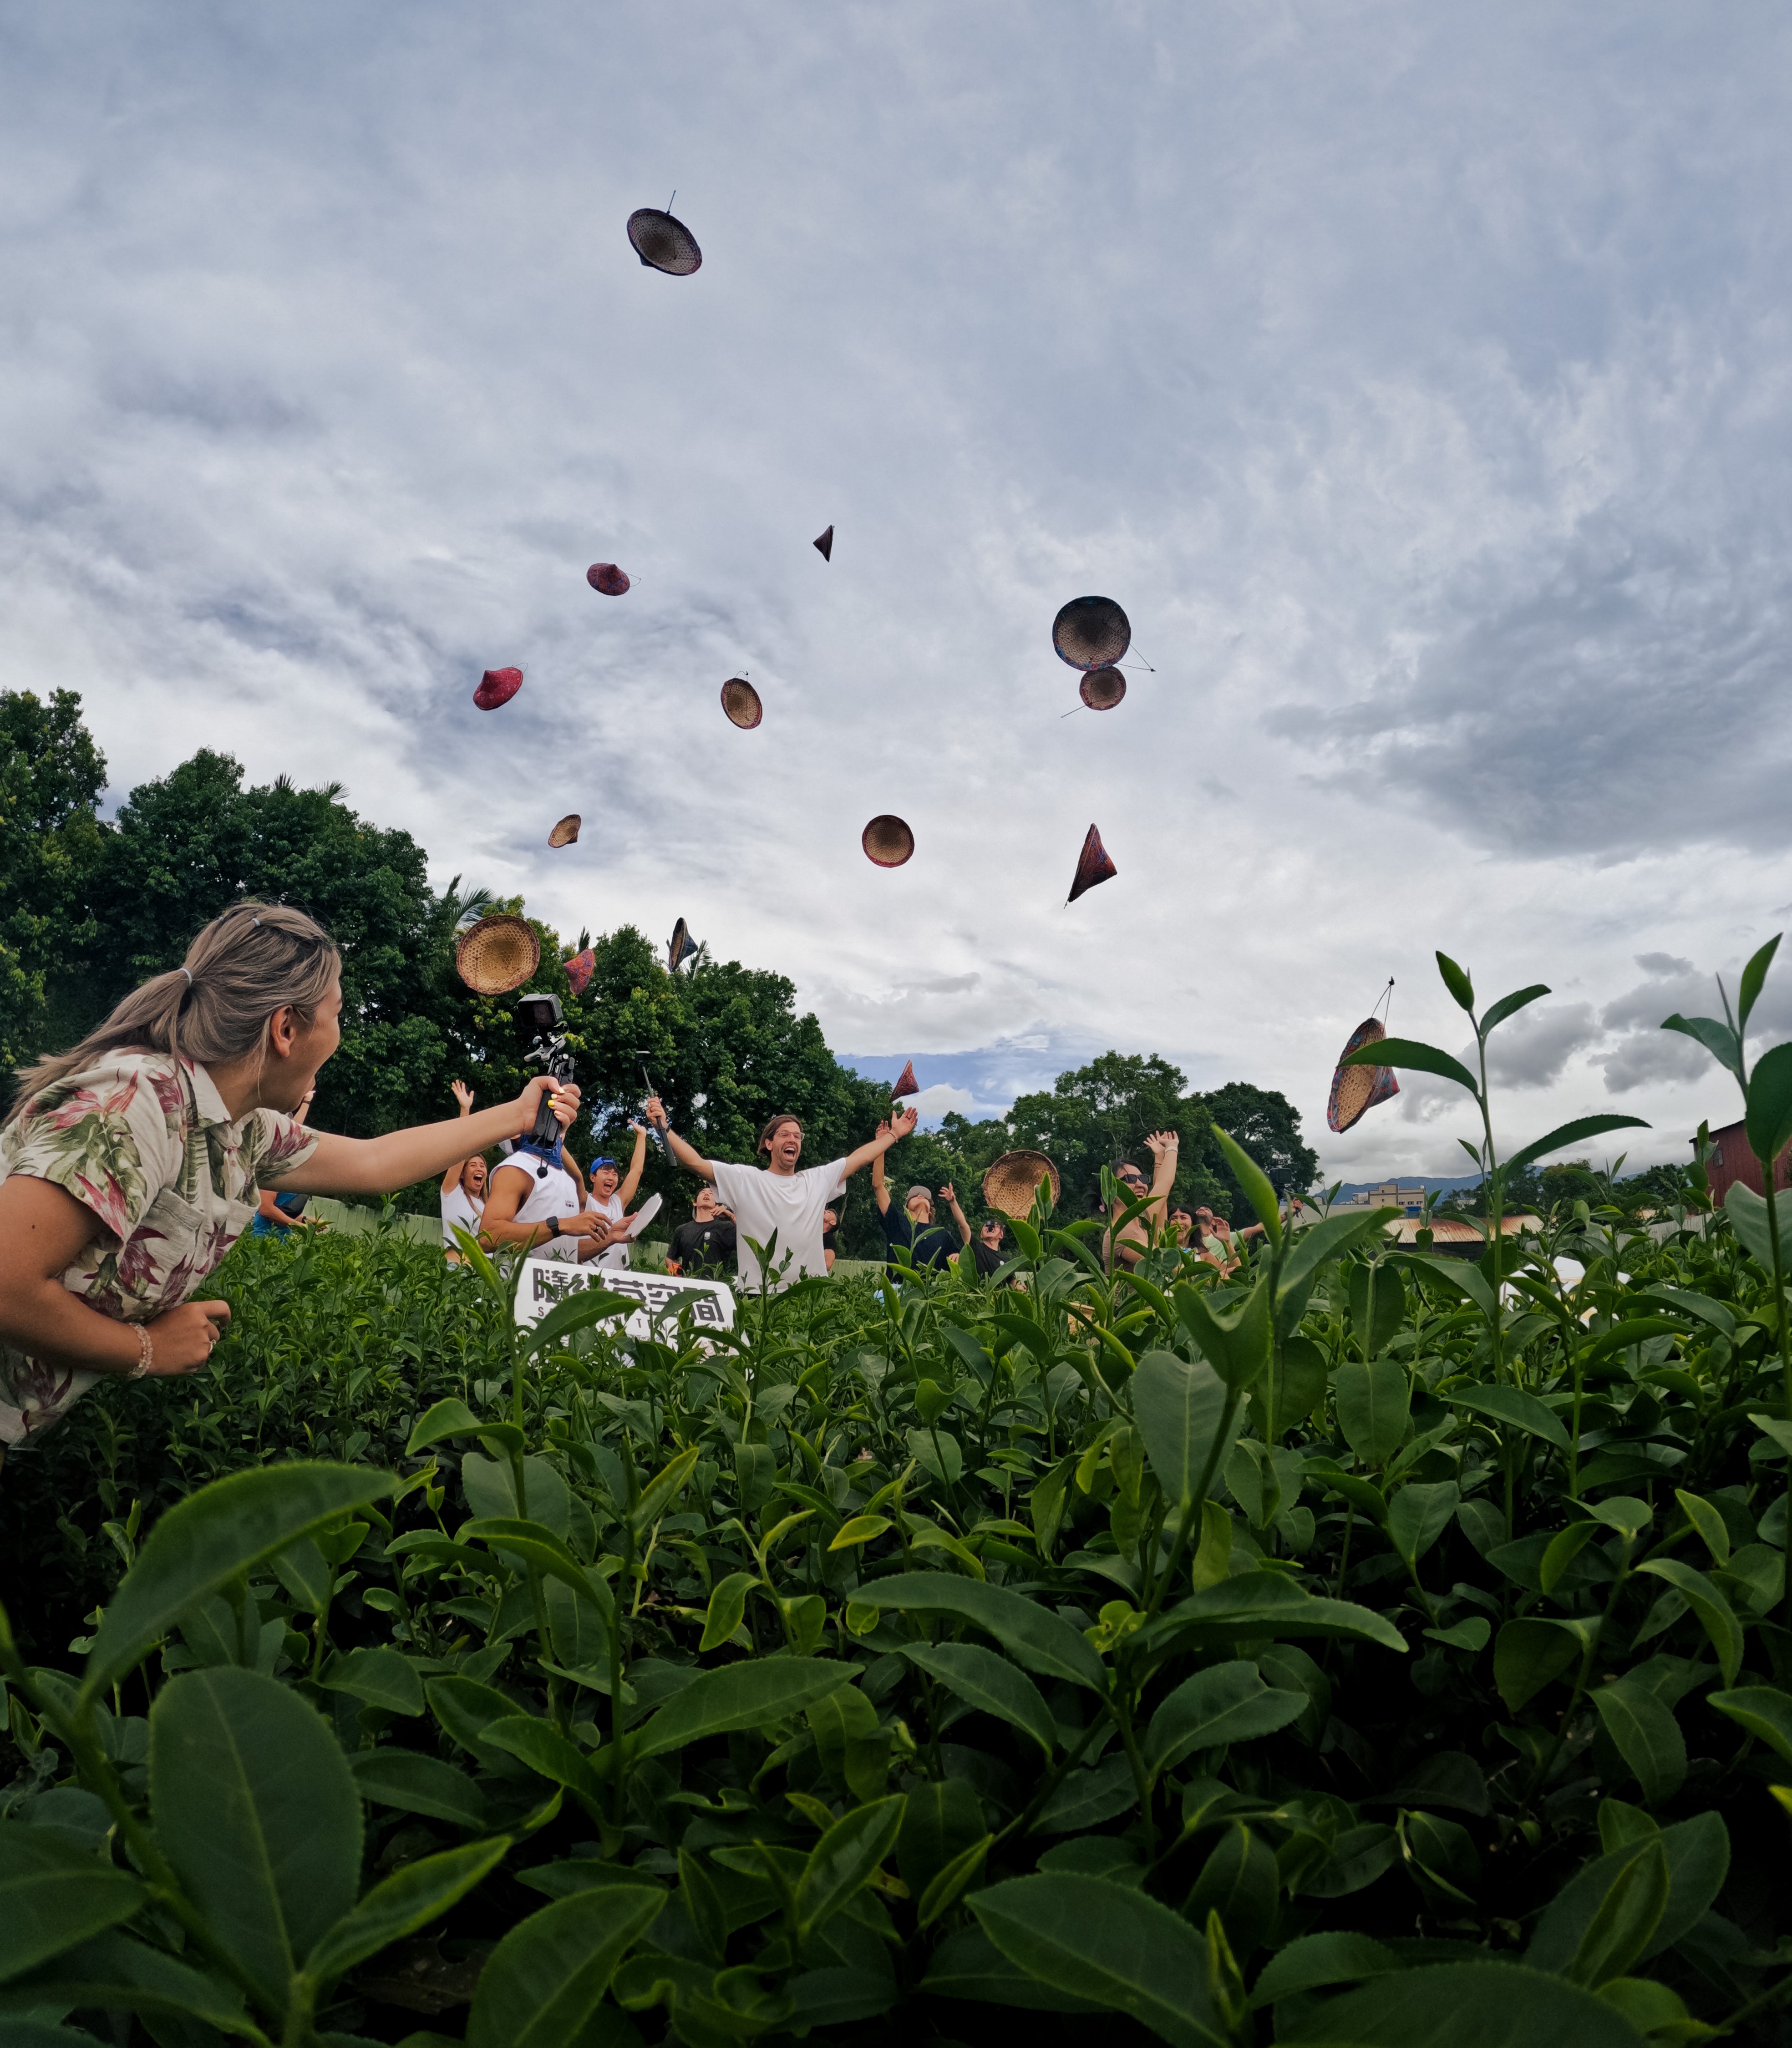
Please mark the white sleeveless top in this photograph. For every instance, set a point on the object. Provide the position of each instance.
(555, 1194)
(611, 1211)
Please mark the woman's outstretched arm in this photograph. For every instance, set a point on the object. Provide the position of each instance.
(382, 1165)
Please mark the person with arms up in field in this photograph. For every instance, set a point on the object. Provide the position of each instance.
(611, 1191)
(781, 1199)
(463, 1187)
(1126, 1249)
(913, 1226)
(131, 1164)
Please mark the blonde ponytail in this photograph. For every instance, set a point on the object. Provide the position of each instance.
(255, 959)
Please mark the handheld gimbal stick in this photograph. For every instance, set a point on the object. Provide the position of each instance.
(654, 1129)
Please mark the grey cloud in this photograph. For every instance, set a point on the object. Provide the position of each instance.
(1658, 964)
(1532, 1049)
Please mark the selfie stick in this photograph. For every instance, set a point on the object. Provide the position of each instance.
(653, 1130)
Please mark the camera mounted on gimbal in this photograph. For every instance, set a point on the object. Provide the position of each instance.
(540, 1014)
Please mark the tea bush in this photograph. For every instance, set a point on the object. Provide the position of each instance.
(1355, 1647)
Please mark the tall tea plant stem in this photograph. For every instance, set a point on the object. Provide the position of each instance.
(1414, 1055)
(1767, 1097)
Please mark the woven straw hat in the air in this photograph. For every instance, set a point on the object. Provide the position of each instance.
(497, 954)
(1012, 1181)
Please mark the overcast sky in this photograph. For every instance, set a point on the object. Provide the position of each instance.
(1417, 378)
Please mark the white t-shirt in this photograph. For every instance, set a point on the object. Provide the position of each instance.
(460, 1211)
(555, 1194)
(611, 1211)
(791, 1205)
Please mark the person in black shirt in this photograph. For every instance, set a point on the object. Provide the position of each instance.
(830, 1235)
(912, 1225)
(987, 1251)
(706, 1244)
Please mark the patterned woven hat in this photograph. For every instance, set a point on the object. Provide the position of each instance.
(825, 543)
(579, 969)
(1094, 864)
(741, 701)
(908, 1084)
(681, 947)
(497, 686)
(606, 577)
(1091, 633)
(1013, 1180)
(497, 954)
(1102, 688)
(663, 243)
(566, 831)
(1356, 1090)
(887, 840)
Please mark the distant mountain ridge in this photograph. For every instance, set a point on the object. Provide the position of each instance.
(1428, 1181)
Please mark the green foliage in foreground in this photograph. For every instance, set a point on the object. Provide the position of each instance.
(1356, 1647)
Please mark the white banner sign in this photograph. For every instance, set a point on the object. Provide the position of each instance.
(548, 1280)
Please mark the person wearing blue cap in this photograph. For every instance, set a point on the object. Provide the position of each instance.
(611, 1191)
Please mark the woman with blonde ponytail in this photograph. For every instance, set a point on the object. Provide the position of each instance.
(131, 1165)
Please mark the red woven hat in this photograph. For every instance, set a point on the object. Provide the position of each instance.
(580, 970)
(606, 577)
(887, 840)
(663, 243)
(497, 686)
(908, 1084)
(1094, 864)
(1102, 688)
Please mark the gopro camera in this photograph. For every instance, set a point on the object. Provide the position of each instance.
(538, 1019)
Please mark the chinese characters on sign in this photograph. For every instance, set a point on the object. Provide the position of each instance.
(546, 1282)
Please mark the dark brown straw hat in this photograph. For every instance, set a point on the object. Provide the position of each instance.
(1356, 1090)
(606, 577)
(1013, 1180)
(1102, 688)
(579, 969)
(908, 1084)
(825, 543)
(1091, 633)
(663, 243)
(497, 686)
(887, 840)
(1094, 864)
(497, 954)
(680, 949)
(566, 831)
(741, 701)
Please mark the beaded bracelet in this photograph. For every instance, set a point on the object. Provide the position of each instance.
(147, 1347)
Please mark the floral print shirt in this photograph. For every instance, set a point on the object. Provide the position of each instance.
(146, 1143)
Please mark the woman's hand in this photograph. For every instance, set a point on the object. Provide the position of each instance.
(1160, 1141)
(181, 1340)
(462, 1095)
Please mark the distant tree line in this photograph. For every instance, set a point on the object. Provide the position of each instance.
(89, 908)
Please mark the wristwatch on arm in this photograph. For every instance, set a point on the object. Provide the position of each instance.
(554, 1227)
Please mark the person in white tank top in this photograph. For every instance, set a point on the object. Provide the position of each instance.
(463, 1187)
(610, 1194)
(535, 1202)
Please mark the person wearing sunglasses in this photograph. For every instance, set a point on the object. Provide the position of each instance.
(1125, 1244)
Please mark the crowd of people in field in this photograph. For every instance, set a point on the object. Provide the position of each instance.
(130, 1164)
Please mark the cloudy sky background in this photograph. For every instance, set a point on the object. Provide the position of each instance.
(1417, 378)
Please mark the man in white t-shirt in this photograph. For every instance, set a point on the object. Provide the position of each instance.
(781, 1199)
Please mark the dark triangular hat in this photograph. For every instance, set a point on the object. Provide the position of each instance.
(680, 948)
(1094, 864)
(605, 576)
(825, 544)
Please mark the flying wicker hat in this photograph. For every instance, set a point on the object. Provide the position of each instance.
(825, 543)
(680, 949)
(1102, 688)
(497, 954)
(908, 1084)
(606, 577)
(1091, 633)
(1094, 864)
(497, 686)
(887, 840)
(741, 701)
(664, 244)
(1012, 1182)
(579, 969)
(1356, 1090)
(566, 831)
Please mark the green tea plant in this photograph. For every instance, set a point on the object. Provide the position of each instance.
(1349, 1646)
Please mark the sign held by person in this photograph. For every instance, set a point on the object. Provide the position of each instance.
(547, 1281)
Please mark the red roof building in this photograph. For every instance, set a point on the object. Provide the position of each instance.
(1730, 1161)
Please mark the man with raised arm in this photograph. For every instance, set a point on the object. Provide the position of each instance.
(779, 1199)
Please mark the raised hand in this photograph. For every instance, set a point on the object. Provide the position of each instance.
(464, 1095)
(904, 1122)
(946, 1194)
(1160, 1141)
(655, 1113)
